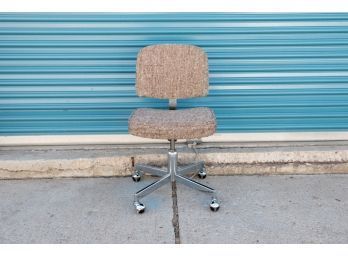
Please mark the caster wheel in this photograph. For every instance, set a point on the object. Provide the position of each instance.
(140, 208)
(202, 174)
(136, 177)
(214, 205)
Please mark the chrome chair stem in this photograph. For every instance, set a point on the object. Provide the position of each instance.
(172, 164)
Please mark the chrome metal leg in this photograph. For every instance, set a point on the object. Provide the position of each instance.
(214, 204)
(194, 167)
(150, 170)
(195, 185)
(150, 188)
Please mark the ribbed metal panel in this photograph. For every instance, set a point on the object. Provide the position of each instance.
(73, 73)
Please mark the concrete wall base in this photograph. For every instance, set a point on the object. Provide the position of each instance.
(222, 159)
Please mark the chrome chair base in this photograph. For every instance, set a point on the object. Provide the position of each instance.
(172, 174)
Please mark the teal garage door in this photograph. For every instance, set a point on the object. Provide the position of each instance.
(73, 73)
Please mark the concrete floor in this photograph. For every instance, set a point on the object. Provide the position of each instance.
(254, 209)
(96, 210)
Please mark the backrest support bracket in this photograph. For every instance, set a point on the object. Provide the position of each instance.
(172, 104)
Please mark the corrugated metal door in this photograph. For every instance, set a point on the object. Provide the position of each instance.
(73, 73)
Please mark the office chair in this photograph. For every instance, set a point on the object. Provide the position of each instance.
(171, 72)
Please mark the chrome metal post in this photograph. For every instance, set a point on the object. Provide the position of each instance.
(172, 164)
(172, 160)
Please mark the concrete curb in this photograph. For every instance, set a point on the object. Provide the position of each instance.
(105, 161)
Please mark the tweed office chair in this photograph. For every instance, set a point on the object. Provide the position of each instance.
(171, 72)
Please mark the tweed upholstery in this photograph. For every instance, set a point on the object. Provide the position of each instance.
(172, 124)
(172, 71)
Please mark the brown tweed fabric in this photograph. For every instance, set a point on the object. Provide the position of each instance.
(172, 71)
(172, 124)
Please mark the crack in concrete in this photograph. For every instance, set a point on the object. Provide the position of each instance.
(175, 220)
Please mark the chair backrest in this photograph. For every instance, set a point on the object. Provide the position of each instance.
(172, 71)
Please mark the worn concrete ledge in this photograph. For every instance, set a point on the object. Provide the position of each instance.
(221, 159)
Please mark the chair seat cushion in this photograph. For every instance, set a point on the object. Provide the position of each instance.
(172, 124)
